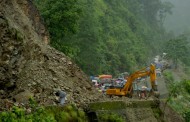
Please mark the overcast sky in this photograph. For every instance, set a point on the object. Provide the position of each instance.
(179, 21)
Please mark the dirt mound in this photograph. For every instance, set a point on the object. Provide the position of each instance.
(31, 68)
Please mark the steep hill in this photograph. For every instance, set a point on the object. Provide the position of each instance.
(31, 68)
(104, 36)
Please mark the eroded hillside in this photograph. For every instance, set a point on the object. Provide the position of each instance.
(29, 67)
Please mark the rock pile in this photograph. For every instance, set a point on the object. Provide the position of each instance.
(31, 68)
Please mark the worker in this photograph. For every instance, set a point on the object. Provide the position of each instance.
(62, 96)
(143, 92)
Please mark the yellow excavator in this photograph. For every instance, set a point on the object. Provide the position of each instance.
(126, 90)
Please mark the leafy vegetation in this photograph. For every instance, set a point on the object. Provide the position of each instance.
(110, 118)
(179, 97)
(178, 50)
(187, 86)
(104, 36)
(168, 77)
(44, 114)
(179, 94)
(187, 115)
(61, 18)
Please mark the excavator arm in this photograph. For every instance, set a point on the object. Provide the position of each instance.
(126, 90)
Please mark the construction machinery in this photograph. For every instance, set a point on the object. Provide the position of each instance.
(127, 89)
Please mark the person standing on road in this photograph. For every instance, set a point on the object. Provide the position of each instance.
(143, 93)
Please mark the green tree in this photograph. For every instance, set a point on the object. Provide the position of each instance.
(166, 8)
(177, 49)
(61, 18)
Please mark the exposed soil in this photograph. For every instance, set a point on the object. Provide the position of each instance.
(31, 68)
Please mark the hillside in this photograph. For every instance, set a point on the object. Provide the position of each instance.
(177, 82)
(104, 36)
(29, 67)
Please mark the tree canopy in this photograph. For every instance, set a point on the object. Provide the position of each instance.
(106, 36)
(178, 49)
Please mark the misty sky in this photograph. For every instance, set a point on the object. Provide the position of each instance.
(179, 21)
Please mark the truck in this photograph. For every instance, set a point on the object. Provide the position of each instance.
(127, 89)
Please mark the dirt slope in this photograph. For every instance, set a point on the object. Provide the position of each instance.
(31, 68)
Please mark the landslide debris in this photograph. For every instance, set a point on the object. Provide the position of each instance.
(29, 67)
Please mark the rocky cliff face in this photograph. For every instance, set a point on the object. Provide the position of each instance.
(31, 68)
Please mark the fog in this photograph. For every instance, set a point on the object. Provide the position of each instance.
(179, 21)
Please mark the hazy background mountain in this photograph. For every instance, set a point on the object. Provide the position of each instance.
(178, 22)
